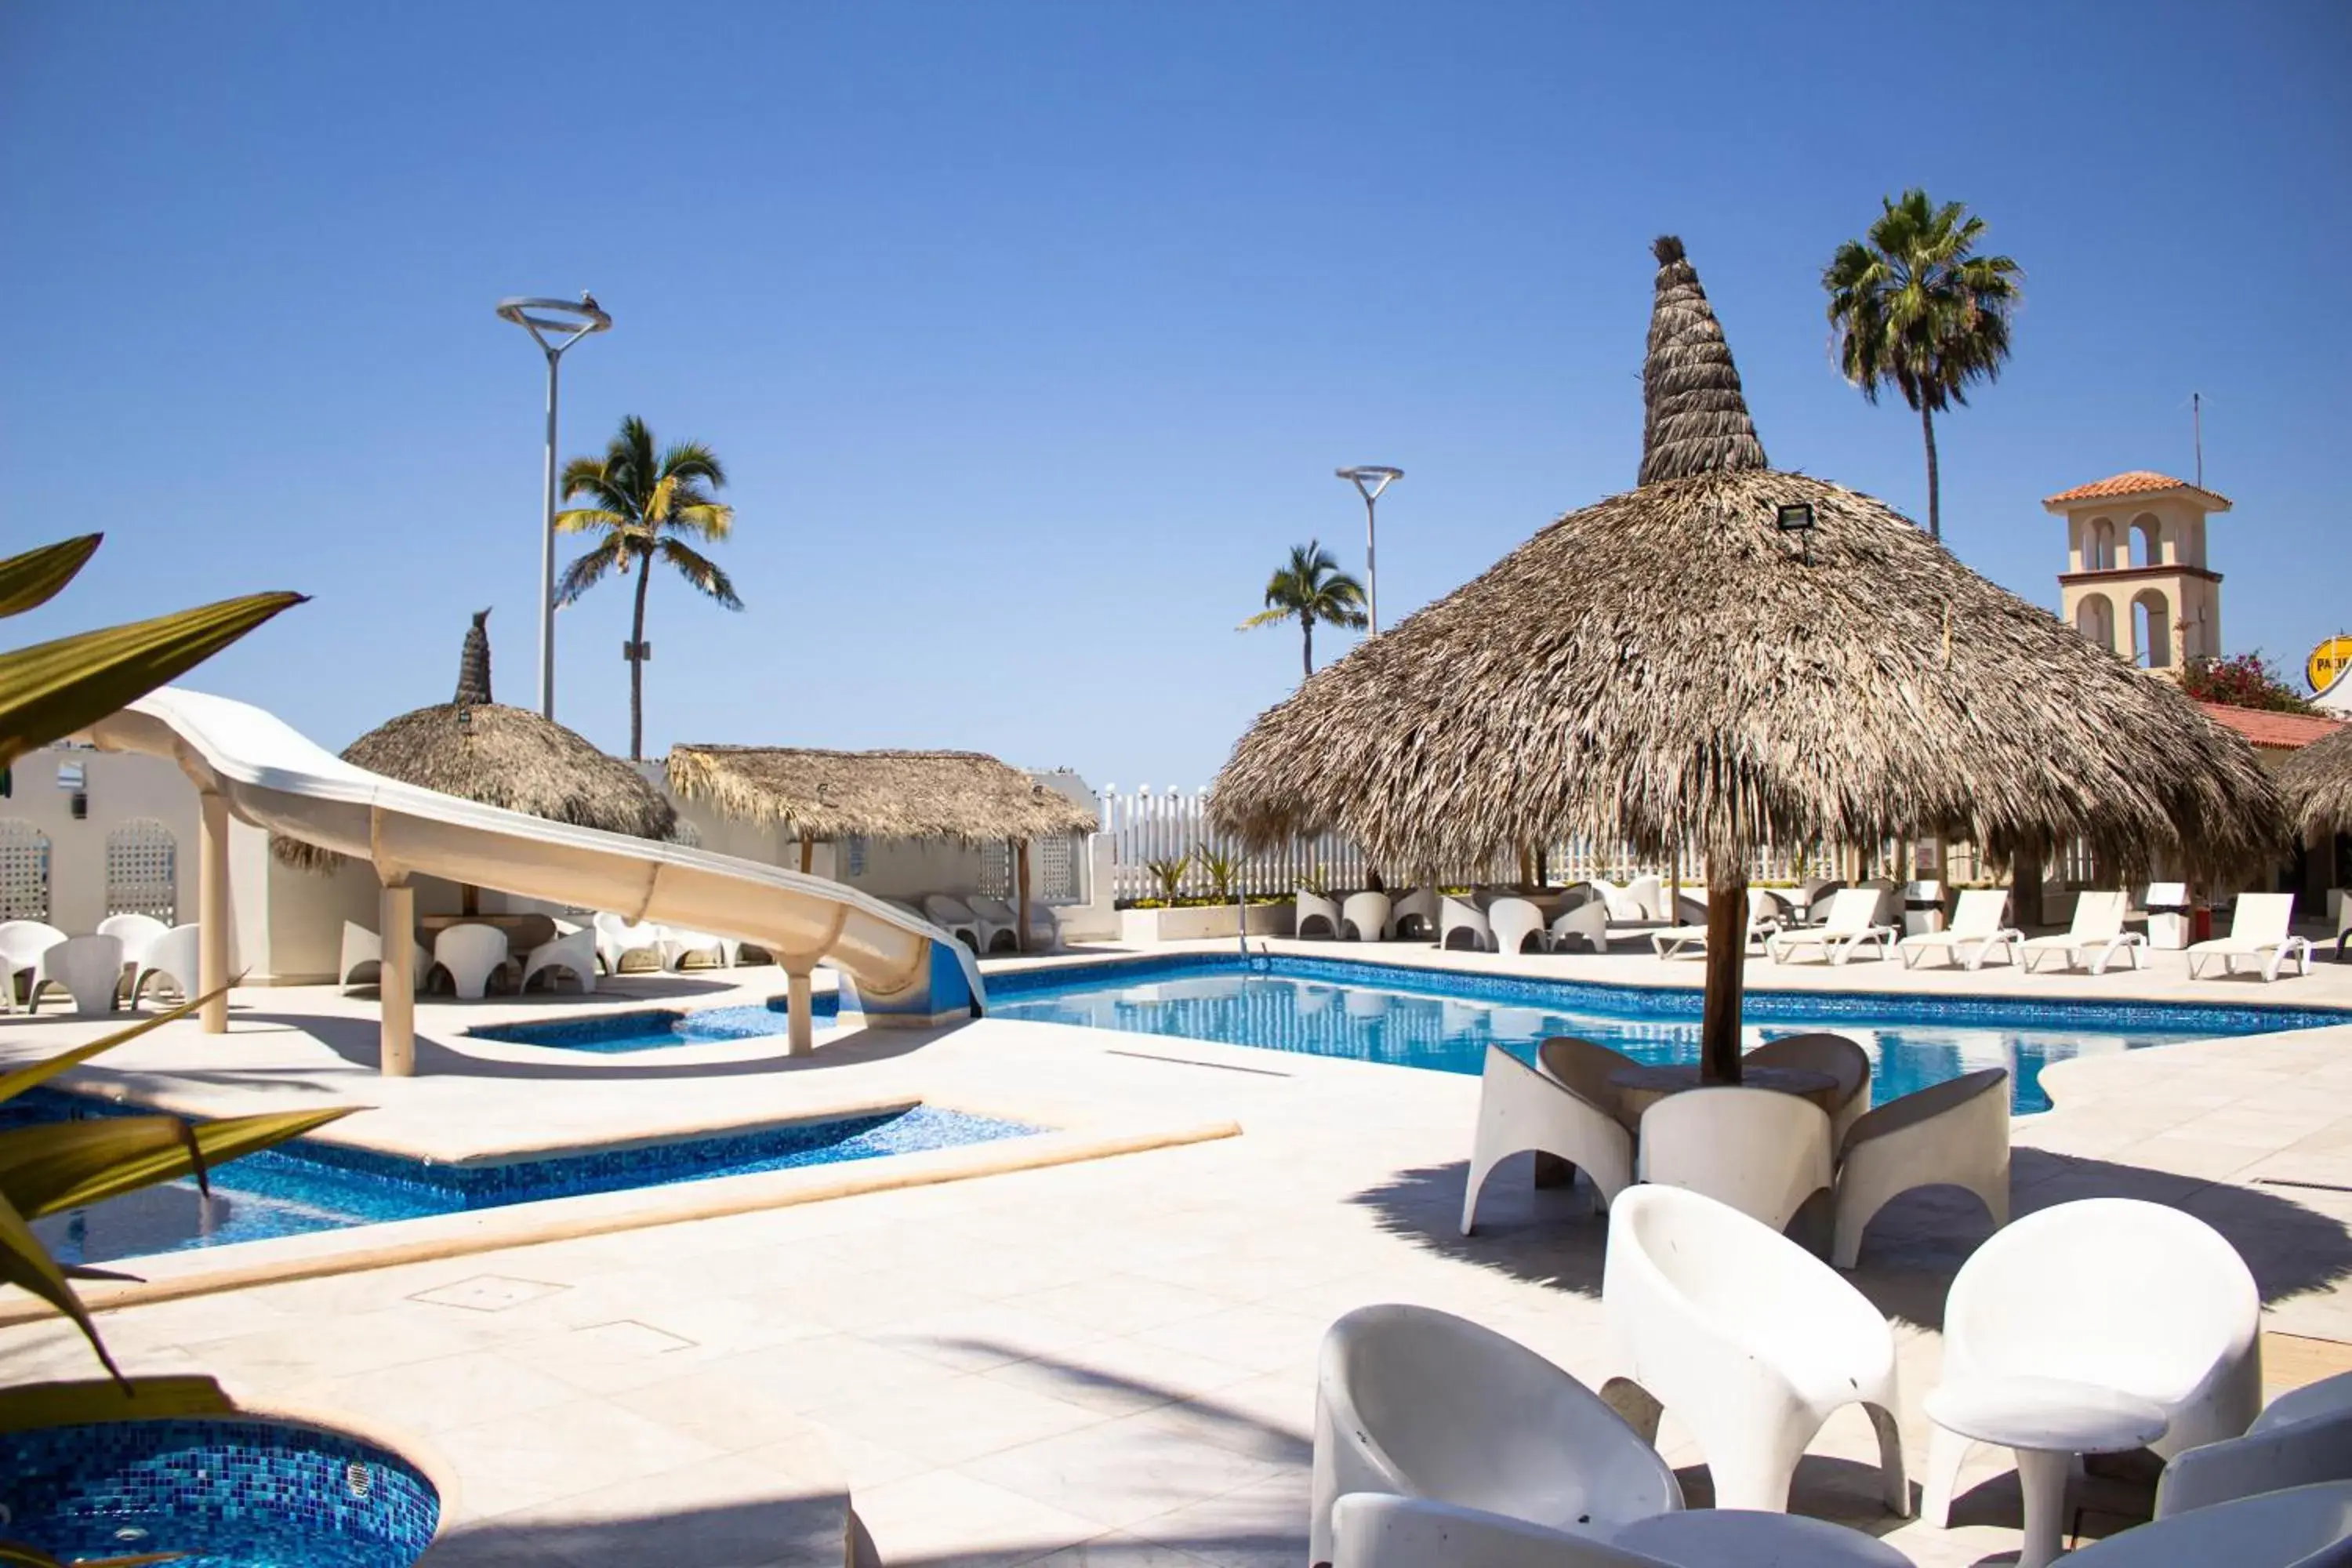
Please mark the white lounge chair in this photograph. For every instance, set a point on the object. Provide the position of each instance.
(1889, 910)
(954, 917)
(1812, 897)
(1853, 922)
(1414, 916)
(87, 968)
(999, 931)
(1760, 1152)
(1374, 1530)
(1313, 916)
(175, 956)
(1587, 920)
(137, 933)
(1417, 1403)
(2097, 927)
(1816, 1051)
(1588, 1068)
(1763, 921)
(21, 943)
(2115, 1293)
(2301, 1527)
(1459, 918)
(1954, 1133)
(2267, 1459)
(2343, 923)
(1747, 1338)
(616, 939)
(1364, 917)
(573, 954)
(2258, 929)
(1045, 927)
(471, 954)
(1521, 1109)
(1512, 923)
(1975, 932)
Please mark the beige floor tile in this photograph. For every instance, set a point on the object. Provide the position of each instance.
(562, 1450)
(942, 1517)
(949, 1423)
(1122, 1471)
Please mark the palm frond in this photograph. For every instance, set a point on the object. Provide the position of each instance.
(590, 569)
(705, 573)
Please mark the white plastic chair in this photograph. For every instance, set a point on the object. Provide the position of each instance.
(1372, 1530)
(677, 945)
(1842, 1058)
(1763, 920)
(362, 949)
(1414, 916)
(1853, 922)
(1511, 923)
(471, 954)
(996, 920)
(1747, 1338)
(175, 956)
(616, 939)
(21, 943)
(1313, 916)
(137, 933)
(954, 917)
(1417, 1403)
(573, 954)
(1954, 1133)
(1045, 927)
(2326, 1397)
(88, 968)
(1457, 918)
(1888, 911)
(1521, 1109)
(1975, 932)
(2258, 929)
(1586, 1068)
(2112, 1292)
(2292, 1454)
(2343, 923)
(1812, 897)
(1587, 920)
(2098, 924)
(1746, 1538)
(1757, 1150)
(1364, 917)
(2301, 1527)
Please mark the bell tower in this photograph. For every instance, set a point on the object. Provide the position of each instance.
(2137, 581)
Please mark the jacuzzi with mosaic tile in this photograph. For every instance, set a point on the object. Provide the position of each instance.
(227, 1491)
(654, 1029)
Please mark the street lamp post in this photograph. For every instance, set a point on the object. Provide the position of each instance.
(1371, 479)
(555, 325)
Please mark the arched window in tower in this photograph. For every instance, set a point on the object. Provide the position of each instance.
(2152, 629)
(2095, 617)
(24, 871)
(142, 870)
(2101, 551)
(2147, 541)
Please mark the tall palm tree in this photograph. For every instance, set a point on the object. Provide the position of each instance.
(1913, 307)
(647, 506)
(1309, 588)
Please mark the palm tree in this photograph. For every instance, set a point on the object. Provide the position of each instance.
(1914, 307)
(646, 507)
(1310, 587)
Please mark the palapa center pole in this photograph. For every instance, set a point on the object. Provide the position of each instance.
(1726, 961)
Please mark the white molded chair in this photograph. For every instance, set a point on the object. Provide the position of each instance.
(1414, 916)
(575, 953)
(2098, 924)
(1763, 921)
(88, 968)
(616, 939)
(1457, 916)
(177, 956)
(1756, 1151)
(677, 945)
(1417, 1403)
(1842, 1058)
(954, 917)
(2343, 923)
(137, 933)
(2301, 1527)
(1044, 927)
(1853, 922)
(1373, 1529)
(362, 948)
(1586, 1068)
(1364, 917)
(471, 954)
(1589, 920)
(2258, 929)
(999, 931)
(1954, 1133)
(1315, 916)
(21, 943)
(1511, 923)
(2114, 1292)
(2290, 1454)
(1747, 1338)
(1976, 929)
(2326, 1397)
(1521, 1109)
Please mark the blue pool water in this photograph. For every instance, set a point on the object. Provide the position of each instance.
(228, 1492)
(655, 1029)
(1446, 1019)
(309, 1185)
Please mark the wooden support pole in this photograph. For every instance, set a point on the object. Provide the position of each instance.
(212, 912)
(808, 853)
(1727, 962)
(396, 980)
(1021, 895)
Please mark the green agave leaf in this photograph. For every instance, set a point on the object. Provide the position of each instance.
(110, 1276)
(17, 1554)
(53, 688)
(54, 1166)
(25, 1262)
(70, 1403)
(33, 579)
(15, 1083)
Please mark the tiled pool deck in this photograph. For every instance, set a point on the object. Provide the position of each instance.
(1108, 1362)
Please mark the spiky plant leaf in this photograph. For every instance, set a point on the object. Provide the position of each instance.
(14, 1083)
(59, 1166)
(70, 1403)
(18, 1554)
(26, 1263)
(33, 579)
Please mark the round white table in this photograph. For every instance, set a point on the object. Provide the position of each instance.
(2046, 1422)
(1743, 1538)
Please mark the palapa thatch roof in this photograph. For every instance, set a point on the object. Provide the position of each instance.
(501, 756)
(2317, 783)
(964, 796)
(1667, 666)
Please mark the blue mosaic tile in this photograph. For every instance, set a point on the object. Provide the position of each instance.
(228, 1492)
(654, 1029)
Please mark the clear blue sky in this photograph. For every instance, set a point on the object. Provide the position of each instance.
(1032, 334)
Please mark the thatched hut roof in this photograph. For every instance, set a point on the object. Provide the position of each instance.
(1668, 666)
(964, 796)
(501, 756)
(2317, 783)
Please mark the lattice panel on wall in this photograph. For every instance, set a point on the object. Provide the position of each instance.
(24, 871)
(1057, 872)
(995, 870)
(142, 870)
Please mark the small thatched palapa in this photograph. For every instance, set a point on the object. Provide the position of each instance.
(507, 757)
(967, 796)
(2317, 783)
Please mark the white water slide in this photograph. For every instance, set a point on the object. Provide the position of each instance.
(248, 763)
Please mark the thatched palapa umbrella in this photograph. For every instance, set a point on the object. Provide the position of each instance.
(2317, 783)
(1684, 664)
(510, 757)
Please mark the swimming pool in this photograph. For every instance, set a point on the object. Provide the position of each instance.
(657, 1028)
(1445, 1019)
(311, 1186)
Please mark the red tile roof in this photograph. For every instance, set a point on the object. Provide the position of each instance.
(2272, 732)
(2138, 483)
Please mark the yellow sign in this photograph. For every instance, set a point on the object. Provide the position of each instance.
(2328, 662)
